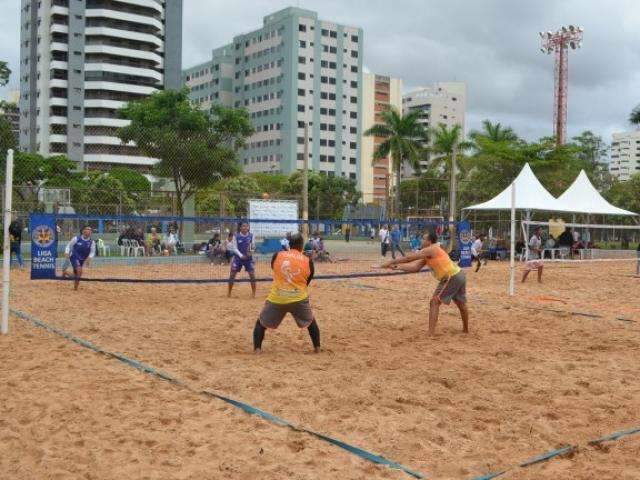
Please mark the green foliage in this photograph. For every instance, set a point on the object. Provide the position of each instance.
(131, 180)
(328, 196)
(5, 73)
(195, 148)
(404, 138)
(114, 199)
(634, 118)
(626, 194)
(7, 138)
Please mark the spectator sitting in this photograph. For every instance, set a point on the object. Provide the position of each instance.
(309, 249)
(138, 236)
(549, 244)
(321, 254)
(228, 247)
(170, 244)
(154, 242)
(215, 250)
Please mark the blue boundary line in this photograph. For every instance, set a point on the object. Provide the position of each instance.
(545, 457)
(364, 454)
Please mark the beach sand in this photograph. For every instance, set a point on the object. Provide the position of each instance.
(529, 378)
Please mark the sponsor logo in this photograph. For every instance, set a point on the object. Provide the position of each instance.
(43, 236)
(465, 236)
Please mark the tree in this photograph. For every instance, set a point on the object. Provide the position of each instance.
(634, 118)
(403, 142)
(331, 194)
(102, 194)
(7, 138)
(626, 194)
(195, 148)
(493, 132)
(5, 73)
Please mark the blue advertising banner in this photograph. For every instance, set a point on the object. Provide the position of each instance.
(44, 246)
(465, 240)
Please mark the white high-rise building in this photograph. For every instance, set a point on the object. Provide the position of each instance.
(82, 60)
(625, 155)
(443, 102)
(295, 69)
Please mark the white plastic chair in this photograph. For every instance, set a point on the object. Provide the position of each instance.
(104, 249)
(136, 248)
(125, 248)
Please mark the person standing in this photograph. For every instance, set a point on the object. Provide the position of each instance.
(451, 279)
(534, 260)
(372, 234)
(347, 234)
(15, 236)
(292, 274)
(396, 240)
(79, 251)
(243, 247)
(384, 240)
(477, 253)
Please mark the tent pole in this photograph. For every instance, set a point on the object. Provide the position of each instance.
(512, 257)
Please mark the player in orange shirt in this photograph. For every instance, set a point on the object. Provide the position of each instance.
(292, 273)
(452, 281)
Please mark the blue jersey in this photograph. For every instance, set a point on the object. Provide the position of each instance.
(81, 248)
(244, 243)
(396, 236)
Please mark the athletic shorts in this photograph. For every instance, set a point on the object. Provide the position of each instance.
(454, 288)
(237, 264)
(273, 313)
(76, 262)
(533, 265)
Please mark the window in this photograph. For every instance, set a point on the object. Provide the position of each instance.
(352, 176)
(354, 54)
(354, 69)
(353, 145)
(353, 115)
(353, 130)
(331, 159)
(354, 99)
(323, 142)
(301, 92)
(332, 143)
(303, 44)
(300, 124)
(302, 60)
(354, 38)
(300, 140)
(352, 160)
(354, 84)
(302, 76)
(323, 111)
(333, 34)
(325, 32)
(301, 108)
(302, 28)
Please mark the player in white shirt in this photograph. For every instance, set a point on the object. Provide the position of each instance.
(476, 251)
(534, 260)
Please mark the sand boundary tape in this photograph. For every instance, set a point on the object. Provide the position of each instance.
(147, 369)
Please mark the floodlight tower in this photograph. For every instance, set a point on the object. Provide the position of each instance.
(559, 44)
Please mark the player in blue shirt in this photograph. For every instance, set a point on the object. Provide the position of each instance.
(79, 251)
(243, 247)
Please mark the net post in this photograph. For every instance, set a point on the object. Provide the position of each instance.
(305, 184)
(6, 246)
(512, 259)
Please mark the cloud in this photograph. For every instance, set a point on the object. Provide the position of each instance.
(492, 45)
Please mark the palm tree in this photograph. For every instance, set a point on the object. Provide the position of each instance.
(444, 141)
(634, 118)
(404, 138)
(494, 132)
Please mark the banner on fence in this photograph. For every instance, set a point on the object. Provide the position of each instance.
(465, 240)
(44, 246)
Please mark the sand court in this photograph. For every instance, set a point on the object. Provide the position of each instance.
(533, 375)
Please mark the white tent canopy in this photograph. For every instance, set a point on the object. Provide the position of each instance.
(530, 195)
(584, 197)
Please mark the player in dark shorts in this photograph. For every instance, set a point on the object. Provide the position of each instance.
(243, 247)
(292, 273)
(452, 283)
(79, 251)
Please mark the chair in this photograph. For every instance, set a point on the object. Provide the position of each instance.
(125, 248)
(136, 248)
(104, 249)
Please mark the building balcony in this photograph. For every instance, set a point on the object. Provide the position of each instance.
(122, 69)
(105, 122)
(58, 28)
(119, 159)
(108, 104)
(126, 34)
(59, 10)
(125, 17)
(144, 3)
(124, 52)
(59, 47)
(118, 87)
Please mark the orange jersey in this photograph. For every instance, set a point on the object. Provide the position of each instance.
(441, 265)
(291, 271)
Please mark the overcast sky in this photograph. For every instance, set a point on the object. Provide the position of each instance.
(492, 45)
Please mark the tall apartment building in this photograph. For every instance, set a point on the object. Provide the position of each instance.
(625, 155)
(443, 102)
(211, 82)
(293, 71)
(379, 93)
(82, 60)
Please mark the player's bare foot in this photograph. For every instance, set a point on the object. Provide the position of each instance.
(257, 351)
(316, 350)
